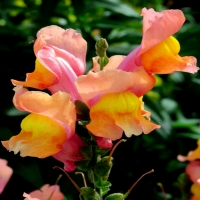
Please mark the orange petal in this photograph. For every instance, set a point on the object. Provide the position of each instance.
(41, 78)
(192, 155)
(157, 26)
(114, 62)
(195, 189)
(57, 106)
(143, 81)
(41, 136)
(107, 81)
(118, 112)
(164, 59)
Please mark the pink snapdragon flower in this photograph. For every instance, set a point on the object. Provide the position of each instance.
(5, 174)
(46, 192)
(60, 59)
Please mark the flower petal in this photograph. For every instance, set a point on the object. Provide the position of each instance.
(157, 26)
(68, 40)
(193, 171)
(41, 136)
(195, 190)
(164, 59)
(70, 153)
(97, 84)
(57, 106)
(41, 78)
(46, 192)
(118, 112)
(114, 62)
(192, 155)
(5, 174)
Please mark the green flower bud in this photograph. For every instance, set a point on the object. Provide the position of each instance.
(88, 193)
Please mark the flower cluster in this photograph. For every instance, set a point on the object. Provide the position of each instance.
(106, 101)
(193, 170)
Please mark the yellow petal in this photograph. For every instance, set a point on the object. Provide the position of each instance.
(163, 58)
(118, 112)
(41, 136)
(41, 78)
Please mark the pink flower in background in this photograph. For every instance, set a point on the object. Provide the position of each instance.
(46, 192)
(5, 174)
(193, 171)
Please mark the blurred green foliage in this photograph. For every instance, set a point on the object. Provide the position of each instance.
(174, 102)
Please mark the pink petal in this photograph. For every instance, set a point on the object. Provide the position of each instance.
(68, 40)
(46, 192)
(70, 153)
(193, 171)
(5, 174)
(158, 26)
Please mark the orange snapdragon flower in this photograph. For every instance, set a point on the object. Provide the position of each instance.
(50, 124)
(158, 52)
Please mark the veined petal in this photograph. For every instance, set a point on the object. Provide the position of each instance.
(94, 85)
(118, 112)
(41, 78)
(57, 106)
(157, 26)
(192, 155)
(68, 40)
(164, 59)
(143, 81)
(41, 136)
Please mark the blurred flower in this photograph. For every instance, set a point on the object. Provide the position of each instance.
(5, 174)
(46, 192)
(192, 155)
(195, 190)
(70, 153)
(50, 124)
(193, 171)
